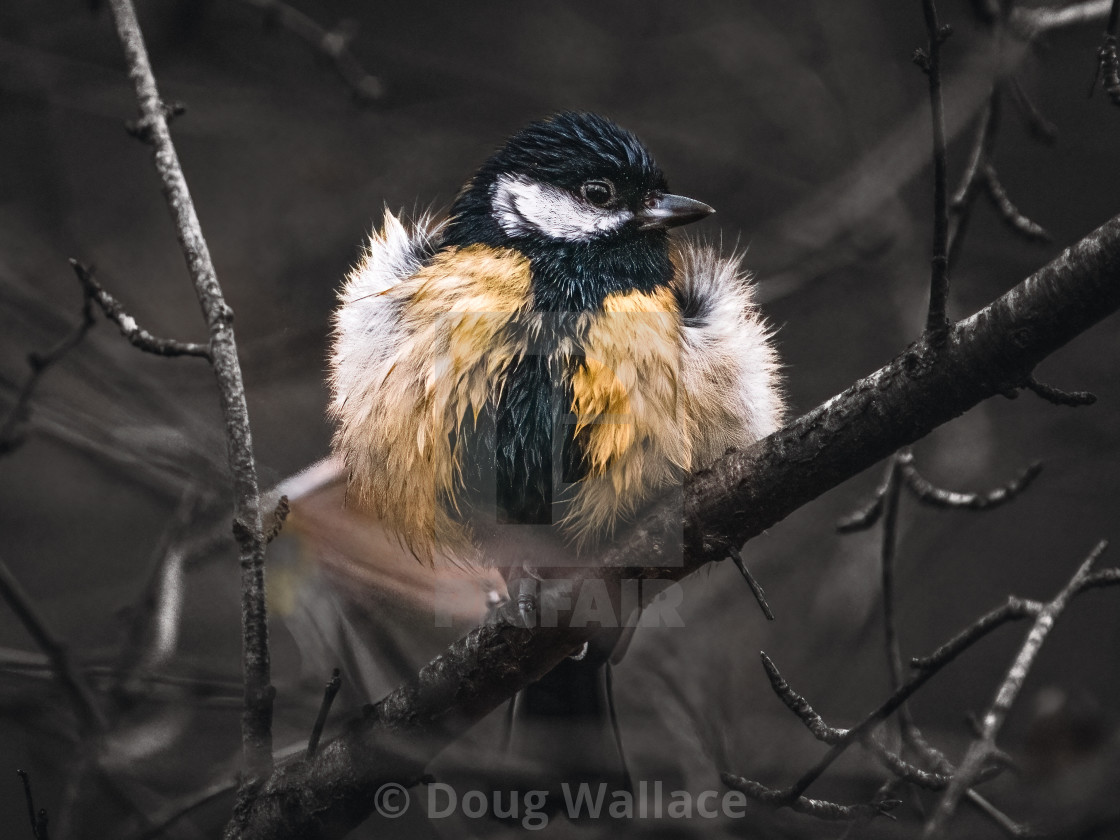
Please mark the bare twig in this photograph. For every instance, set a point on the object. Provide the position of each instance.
(937, 322)
(841, 739)
(964, 199)
(10, 437)
(819, 808)
(929, 494)
(759, 593)
(38, 818)
(142, 131)
(137, 336)
(1039, 127)
(869, 514)
(333, 685)
(153, 623)
(928, 666)
(980, 750)
(940, 763)
(902, 473)
(798, 704)
(1013, 610)
(830, 735)
(1060, 397)
(981, 147)
(257, 718)
(332, 45)
(887, 549)
(274, 522)
(89, 715)
(1011, 214)
(844, 738)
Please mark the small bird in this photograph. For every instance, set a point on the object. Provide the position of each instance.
(513, 384)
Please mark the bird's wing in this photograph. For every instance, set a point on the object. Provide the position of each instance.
(420, 342)
(732, 394)
(367, 321)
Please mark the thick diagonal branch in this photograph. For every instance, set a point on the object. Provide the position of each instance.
(738, 498)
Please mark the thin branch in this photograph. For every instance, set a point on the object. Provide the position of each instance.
(142, 131)
(888, 545)
(333, 685)
(274, 522)
(1039, 127)
(39, 821)
(332, 45)
(756, 589)
(841, 739)
(869, 514)
(964, 199)
(1012, 215)
(137, 336)
(153, 622)
(163, 822)
(929, 494)
(81, 698)
(214, 691)
(1057, 396)
(799, 705)
(819, 808)
(824, 733)
(10, 437)
(256, 722)
(901, 472)
(941, 764)
(737, 498)
(1009, 826)
(980, 750)
(1016, 608)
(981, 147)
(1013, 610)
(937, 322)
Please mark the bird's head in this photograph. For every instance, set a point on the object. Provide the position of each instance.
(576, 190)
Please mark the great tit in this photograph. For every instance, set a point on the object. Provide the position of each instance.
(516, 381)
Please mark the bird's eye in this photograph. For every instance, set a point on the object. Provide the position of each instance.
(599, 192)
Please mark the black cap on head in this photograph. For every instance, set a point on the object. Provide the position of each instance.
(570, 148)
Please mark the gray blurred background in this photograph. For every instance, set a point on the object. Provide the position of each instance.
(806, 126)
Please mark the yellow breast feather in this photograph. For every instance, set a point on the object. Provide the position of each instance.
(626, 402)
(672, 380)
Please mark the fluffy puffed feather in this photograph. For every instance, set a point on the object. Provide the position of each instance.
(671, 379)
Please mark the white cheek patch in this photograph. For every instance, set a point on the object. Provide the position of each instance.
(524, 207)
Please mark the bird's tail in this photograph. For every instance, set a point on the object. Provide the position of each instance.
(563, 730)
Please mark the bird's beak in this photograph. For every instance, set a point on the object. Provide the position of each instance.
(668, 210)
